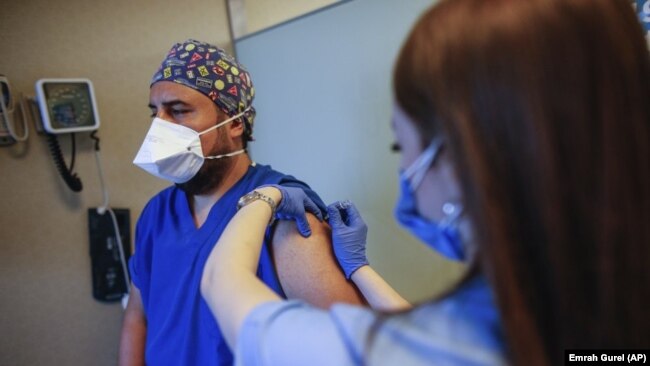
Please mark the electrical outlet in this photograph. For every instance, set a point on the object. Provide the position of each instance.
(106, 267)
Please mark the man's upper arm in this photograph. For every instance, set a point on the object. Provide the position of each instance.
(134, 331)
(307, 267)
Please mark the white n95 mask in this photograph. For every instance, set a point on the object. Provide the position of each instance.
(173, 152)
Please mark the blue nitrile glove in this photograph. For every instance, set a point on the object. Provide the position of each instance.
(348, 236)
(294, 206)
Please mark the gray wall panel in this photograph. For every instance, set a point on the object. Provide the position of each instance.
(323, 96)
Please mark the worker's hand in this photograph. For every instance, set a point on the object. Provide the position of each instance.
(349, 234)
(294, 206)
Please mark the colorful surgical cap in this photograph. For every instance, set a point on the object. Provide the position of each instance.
(213, 72)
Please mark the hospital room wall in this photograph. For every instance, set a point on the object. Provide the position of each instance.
(47, 313)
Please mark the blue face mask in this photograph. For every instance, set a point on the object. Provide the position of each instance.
(442, 236)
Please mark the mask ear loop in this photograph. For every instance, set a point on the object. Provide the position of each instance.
(418, 169)
(226, 155)
(238, 115)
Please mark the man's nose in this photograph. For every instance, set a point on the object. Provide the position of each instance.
(162, 115)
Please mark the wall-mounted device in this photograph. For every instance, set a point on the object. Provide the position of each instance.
(8, 118)
(109, 254)
(67, 105)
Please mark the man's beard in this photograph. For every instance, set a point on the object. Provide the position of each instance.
(213, 171)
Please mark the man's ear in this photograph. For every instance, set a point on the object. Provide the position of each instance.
(236, 128)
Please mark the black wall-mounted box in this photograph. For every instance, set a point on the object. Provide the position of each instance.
(107, 273)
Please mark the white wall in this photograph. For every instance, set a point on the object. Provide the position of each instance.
(262, 14)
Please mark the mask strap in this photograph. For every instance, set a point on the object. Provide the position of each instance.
(226, 155)
(226, 121)
(418, 168)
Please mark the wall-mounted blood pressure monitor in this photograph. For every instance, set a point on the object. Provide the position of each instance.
(67, 105)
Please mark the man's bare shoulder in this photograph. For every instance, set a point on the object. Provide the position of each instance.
(307, 267)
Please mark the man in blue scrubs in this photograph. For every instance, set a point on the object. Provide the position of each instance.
(201, 100)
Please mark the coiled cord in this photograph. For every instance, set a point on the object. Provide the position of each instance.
(71, 179)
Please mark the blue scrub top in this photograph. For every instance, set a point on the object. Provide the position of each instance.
(170, 253)
(461, 329)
